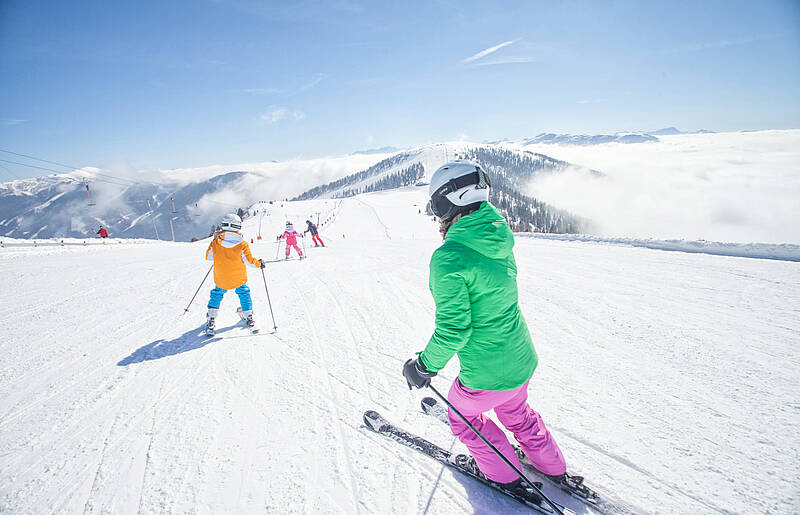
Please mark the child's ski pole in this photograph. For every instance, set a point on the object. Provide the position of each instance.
(269, 302)
(198, 289)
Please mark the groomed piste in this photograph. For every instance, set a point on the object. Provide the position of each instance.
(668, 378)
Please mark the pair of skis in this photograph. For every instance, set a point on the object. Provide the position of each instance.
(572, 485)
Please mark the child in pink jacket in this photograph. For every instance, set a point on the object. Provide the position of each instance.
(290, 235)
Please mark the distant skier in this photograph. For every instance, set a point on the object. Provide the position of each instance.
(473, 279)
(102, 232)
(290, 235)
(314, 234)
(230, 253)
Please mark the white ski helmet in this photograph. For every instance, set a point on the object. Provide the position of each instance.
(458, 186)
(232, 222)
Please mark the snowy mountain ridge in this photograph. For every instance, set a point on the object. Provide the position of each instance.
(189, 202)
(623, 137)
(75, 204)
(510, 169)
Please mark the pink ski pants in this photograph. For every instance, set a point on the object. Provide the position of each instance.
(289, 249)
(513, 412)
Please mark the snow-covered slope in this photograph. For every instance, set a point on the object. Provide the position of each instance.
(669, 379)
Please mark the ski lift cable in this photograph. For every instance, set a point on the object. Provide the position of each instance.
(84, 180)
(92, 176)
(72, 168)
(80, 169)
(39, 159)
(9, 172)
(63, 175)
(34, 166)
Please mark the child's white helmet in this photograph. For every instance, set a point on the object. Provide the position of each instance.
(456, 187)
(231, 222)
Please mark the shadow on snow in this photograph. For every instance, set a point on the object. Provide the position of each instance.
(192, 339)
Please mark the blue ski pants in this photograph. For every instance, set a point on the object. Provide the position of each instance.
(242, 291)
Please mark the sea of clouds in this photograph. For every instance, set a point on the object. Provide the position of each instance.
(738, 186)
(270, 180)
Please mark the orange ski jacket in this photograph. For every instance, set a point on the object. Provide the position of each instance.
(230, 253)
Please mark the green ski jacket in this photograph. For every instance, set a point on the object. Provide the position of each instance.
(473, 279)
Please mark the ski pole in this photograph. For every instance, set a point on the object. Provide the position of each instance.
(274, 325)
(278, 250)
(500, 454)
(198, 290)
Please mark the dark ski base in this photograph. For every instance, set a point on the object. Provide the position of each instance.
(380, 425)
(573, 485)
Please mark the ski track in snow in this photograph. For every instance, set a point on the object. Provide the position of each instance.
(668, 379)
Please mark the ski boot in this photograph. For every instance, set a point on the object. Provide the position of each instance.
(468, 463)
(211, 321)
(517, 487)
(522, 489)
(247, 318)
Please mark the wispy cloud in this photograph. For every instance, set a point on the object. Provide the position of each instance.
(276, 114)
(487, 51)
(289, 91)
(722, 43)
(317, 79)
(508, 60)
(262, 91)
(12, 121)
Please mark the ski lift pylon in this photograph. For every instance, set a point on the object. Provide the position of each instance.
(89, 193)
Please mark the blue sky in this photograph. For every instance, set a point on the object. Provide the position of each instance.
(190, 83)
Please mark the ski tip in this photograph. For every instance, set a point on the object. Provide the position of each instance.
(374, 420)
(427, 403)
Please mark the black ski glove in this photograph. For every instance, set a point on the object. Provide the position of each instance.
(263, 264)
(416, 374)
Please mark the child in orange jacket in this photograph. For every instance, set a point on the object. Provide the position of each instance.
(230, 253)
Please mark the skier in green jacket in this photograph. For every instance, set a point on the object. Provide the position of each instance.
(473, 279)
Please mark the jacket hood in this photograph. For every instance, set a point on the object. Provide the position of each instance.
(485, 231)
(230, 239)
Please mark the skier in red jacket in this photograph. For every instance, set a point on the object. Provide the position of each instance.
(102, 232)
(312, 228)
(290, 235)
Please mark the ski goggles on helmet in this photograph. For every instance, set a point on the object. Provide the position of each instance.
(441, 205)
(231, 225)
